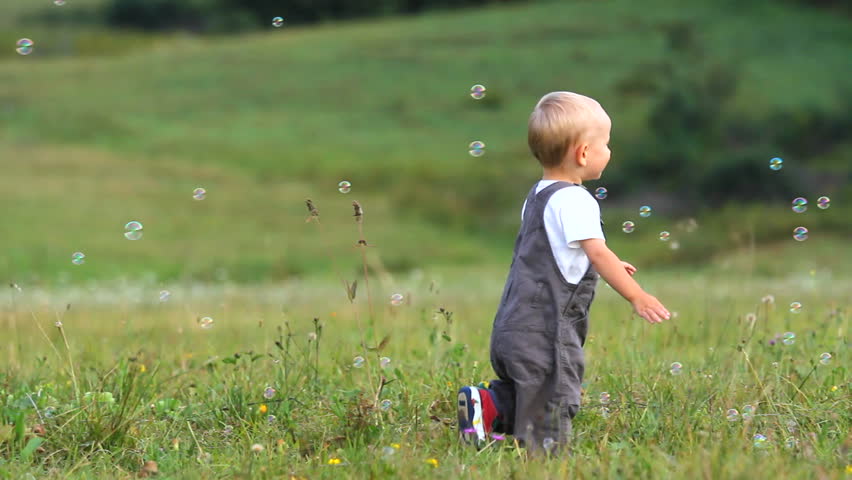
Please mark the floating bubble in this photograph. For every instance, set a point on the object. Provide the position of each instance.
(59, 3)
(165, 295)
(604, 398)
(645, 211)
(199, 193)
(78, 258)
(791, 443)
(133, 230)
(277, 22)
(344, 186)
(548, 444)
(386, 404)
(776, 163)
(388, 451)
(477, 91)
(795, 307)
(759, 440)
(628, 227)
(825, 358)
(823, 202)
(384, 361)
(800, 234)
(792, 427)
(605, 412)
(268, 393)
(358, 361)
(600, 193)
(789, 338)
(664, 236)
(732, 415)
(24, 46)
(748, 412)
(270, 419)
(396, 299)
(676, 368)
(227, 430)
(206, 323)
(800, 204)
(477, 148)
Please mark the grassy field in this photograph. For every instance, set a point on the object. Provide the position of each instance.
(97, 132)
(129, 379)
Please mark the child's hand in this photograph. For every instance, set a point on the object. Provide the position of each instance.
(630, 268)
(648, 307)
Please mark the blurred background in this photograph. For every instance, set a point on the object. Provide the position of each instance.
(122, 108)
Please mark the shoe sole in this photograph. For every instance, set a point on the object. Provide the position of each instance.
(466, 423)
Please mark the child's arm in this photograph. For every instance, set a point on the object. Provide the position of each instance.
(613, 271)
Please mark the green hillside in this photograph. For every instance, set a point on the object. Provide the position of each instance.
(124, 130)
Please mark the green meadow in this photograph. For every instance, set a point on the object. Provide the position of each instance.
(107, 369)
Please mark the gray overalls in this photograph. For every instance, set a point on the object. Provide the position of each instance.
(538, 336)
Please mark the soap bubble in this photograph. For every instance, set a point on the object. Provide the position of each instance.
(676, 368)
(78, 258)
(732, 415)
(388, 451)
(206, 323)
(776, 163)
(165, 295)
(477, 148)
(270, 419)
(800, 204)
(759, 440)
(477, 91)
(604, 398)
(664, 236)
(792, 427)
(795, 307)
(791, 443)
(789, 338)
(386, 404)
(396, 299)
(268, 393)
(600, 193)
(133, 230)
(748, 412)
(800, 234)
(59, 3)
(823, 202)
(277, 22)
(344, 186)
(24, 46)
(358, 361)
(825, 358)
(548, 444)
(384, 362)
(628, 227)
(645, 211)
(199, 193)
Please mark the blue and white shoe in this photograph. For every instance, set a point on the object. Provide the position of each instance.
(471, 430)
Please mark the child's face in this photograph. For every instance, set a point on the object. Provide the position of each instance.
(597, 153)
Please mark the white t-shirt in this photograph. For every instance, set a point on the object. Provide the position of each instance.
(571, 215)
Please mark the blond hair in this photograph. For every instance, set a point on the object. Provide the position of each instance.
(560, 120)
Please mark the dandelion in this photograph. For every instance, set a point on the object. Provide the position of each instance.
(395, 445)
(334, 461)
(432, 461)
(768, 299)
(263, 408)
(257, 448)
(848, 469)
(834, 388)
(142, 368)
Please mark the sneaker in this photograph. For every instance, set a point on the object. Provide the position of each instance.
(471, 429)
(477, 415)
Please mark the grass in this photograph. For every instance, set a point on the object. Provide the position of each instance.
(124, 131)
(154, 386)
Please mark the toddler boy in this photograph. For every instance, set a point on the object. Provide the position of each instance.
(541, 323)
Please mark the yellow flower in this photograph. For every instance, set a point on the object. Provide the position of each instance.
(263, 408)
(432, 461)
(142, 368)
(334, 461)
(395, 445)
(834, 389)
(848, 468)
